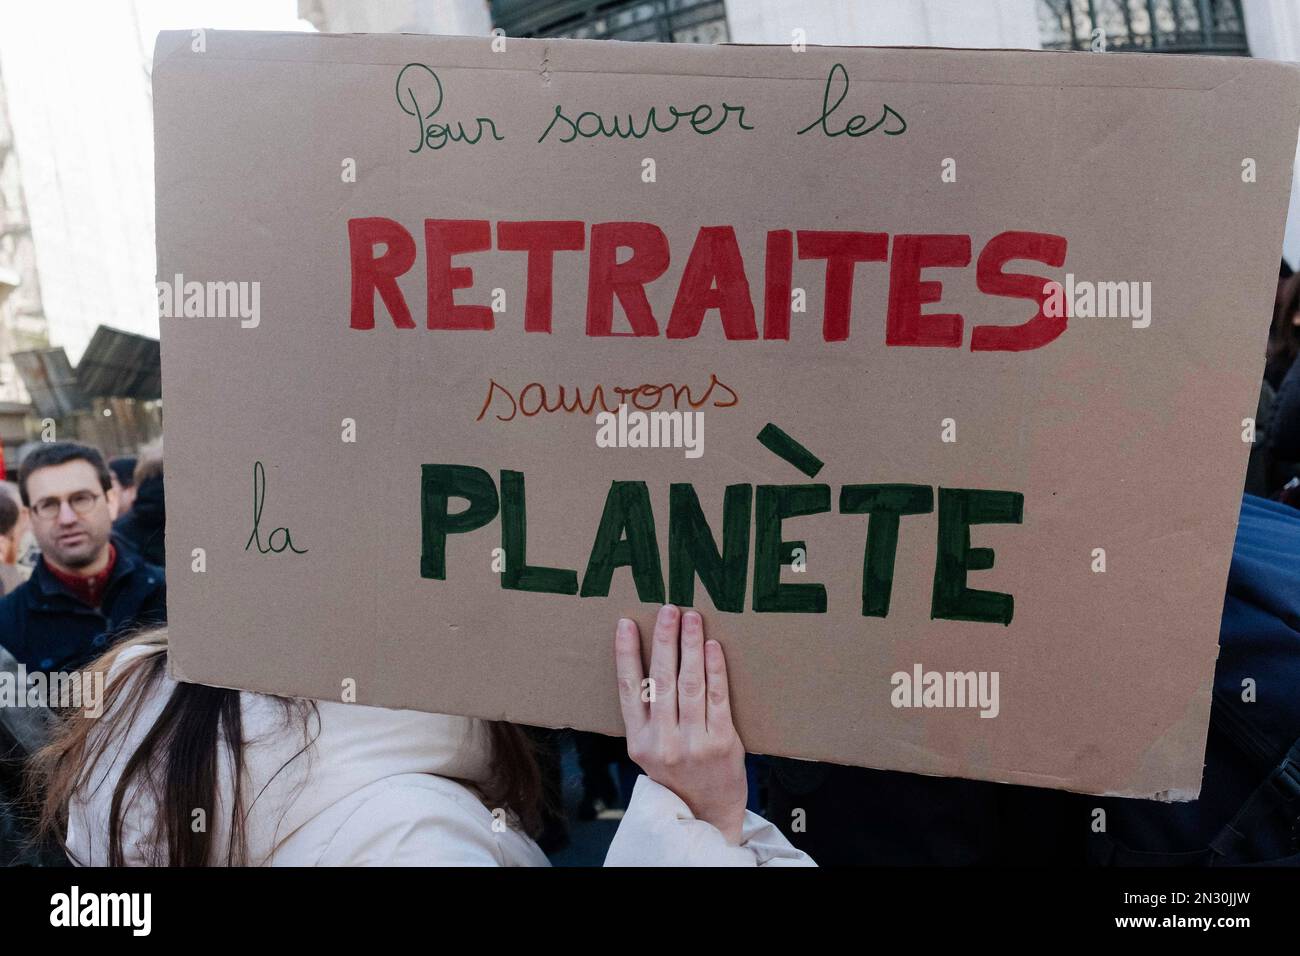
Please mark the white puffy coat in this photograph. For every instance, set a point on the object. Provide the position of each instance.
(380, 787)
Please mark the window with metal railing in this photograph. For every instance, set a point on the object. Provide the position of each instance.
(1145, 26)
(665, 21)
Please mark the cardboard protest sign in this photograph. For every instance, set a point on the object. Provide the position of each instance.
(950, 353)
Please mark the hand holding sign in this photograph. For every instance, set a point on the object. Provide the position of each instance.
(682, 736)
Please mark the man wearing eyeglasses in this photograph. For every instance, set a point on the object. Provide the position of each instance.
(84, 592)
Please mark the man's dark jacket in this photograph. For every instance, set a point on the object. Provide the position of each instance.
(46, 628)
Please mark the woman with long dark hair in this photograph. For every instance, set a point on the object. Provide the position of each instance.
(188, 775)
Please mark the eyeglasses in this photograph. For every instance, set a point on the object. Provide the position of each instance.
(81, 501)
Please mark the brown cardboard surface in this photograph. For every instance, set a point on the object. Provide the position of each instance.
(1122, 438)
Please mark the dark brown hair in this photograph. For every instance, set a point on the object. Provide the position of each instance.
(8, 513)
(177, 762)
(60, 453)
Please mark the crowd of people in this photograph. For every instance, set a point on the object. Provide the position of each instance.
(82, 587)
(85, 590)
(80, 566)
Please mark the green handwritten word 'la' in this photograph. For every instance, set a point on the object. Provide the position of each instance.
(419, 94)
(259, 500)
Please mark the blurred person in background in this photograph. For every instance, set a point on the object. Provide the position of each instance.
(1284, 333)
(1273, 456)
(143, 527)
(11, 527)
(123, 470)
(1283, 434)
(24, 540)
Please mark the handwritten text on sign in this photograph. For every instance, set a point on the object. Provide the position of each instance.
(420, 95)
(623, 258)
